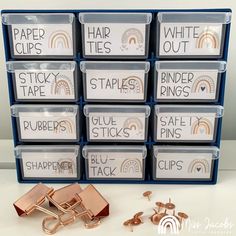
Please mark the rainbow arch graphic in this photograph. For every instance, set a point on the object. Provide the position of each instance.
(131, 166)
(67, 123)
(62, 85)
(132, 37)
(202, 125)
(136, 81)
(170, 223)
(59, 39)
(199, 166)
(203, 83)
(134, 124)
(208, 39)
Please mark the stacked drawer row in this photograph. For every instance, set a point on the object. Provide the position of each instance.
(154, 116)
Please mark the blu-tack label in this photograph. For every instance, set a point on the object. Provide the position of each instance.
(115, 84)
(117, 126)
(49, 164)
(183, 39)
(183, 165)
(103, 39)
(185, 126)
(44, 84)
(185, 84)
(115, 165)
(42, 39)
(38, 126)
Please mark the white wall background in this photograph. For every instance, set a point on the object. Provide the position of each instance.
(229, 121)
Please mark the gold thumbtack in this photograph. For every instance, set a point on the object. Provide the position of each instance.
(148, 195)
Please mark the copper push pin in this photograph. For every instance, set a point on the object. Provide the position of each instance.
(156, 217)
(170, 205)
(148, 195)
(182, 216)
(160, 206)
(136, 220)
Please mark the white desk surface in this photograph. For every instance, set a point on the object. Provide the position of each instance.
(212, 207)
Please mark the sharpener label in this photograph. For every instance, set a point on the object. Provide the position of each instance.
(49, 164)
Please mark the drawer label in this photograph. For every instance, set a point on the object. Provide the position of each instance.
(44, 84)
(184, 84)
(182, 39)
(117, 126)
(38, 126)
(115, 165)
(39, 39)
(183, 165)
(49, 164)
(185, 126)
(115, 84)
(103, 39)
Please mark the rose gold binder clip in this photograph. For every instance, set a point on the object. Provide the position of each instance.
(72, 203)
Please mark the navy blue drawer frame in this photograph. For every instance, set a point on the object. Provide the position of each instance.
(151, 58)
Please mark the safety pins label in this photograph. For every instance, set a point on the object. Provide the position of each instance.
(47, 39)
(183, 39)
(115, 84)
(115, 165)
(117, 126)
(44, 84)
(183, 165)
(184, 84)
(34, 125)
(114, 39)
(49, 164)
(185, 126)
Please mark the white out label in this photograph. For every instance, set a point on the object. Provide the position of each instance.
(115, 84)
(185, 126)
(44, 84)
(104, 39)
(185, 84)
(49, 164)
(35, 125)
(182, 165)
(183, 39)
(42, 39)
(115, 165)
(117, 126)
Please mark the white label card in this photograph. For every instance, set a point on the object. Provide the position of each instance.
(42, 39)
(114, 39)
(115, 165)
(35, 125)
(185, 84)
(183, 165)
(49, 164)
(117, 126)
(115, 84)
(190, 39)
(44, 84)
(185, 126)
